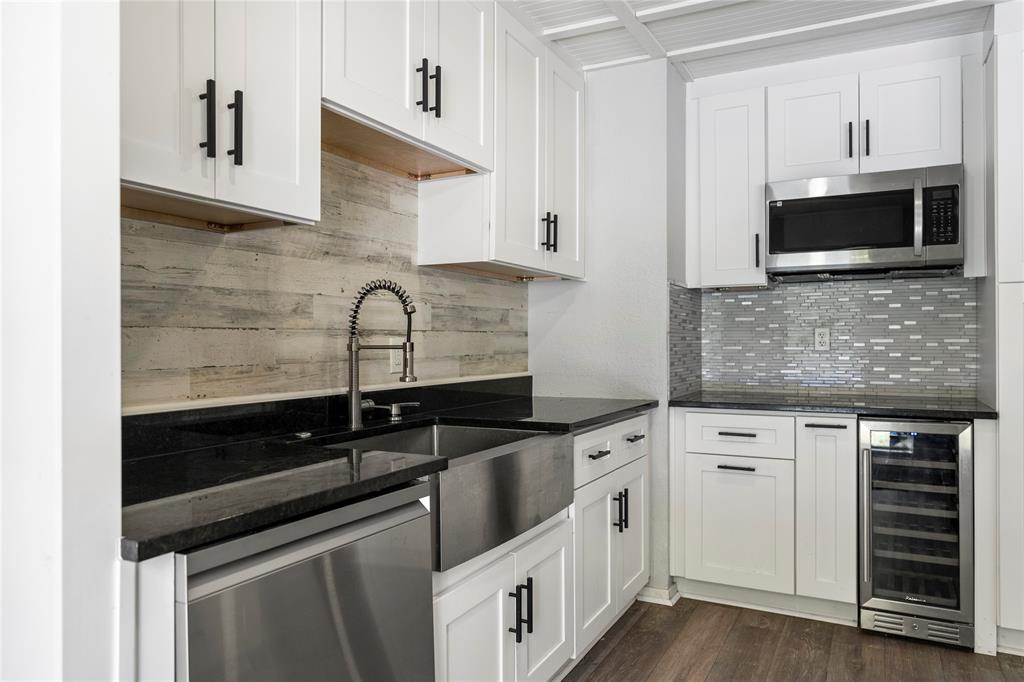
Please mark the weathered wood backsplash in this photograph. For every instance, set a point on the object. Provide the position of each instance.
(207, 315)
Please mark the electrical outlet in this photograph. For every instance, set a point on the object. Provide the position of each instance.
(395, 356)
(822, 338)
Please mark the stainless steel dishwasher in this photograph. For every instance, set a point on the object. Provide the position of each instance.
(345, 595)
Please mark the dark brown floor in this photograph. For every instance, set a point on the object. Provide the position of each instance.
(702, 641)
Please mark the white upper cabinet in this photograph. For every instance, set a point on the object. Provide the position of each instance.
(564, 169)
(260, 148)
(732, 177)
(268, 76)
(371, 52)
(813, 129)
(519, 146)
(911, 116)
(460, 82)
(166, 59)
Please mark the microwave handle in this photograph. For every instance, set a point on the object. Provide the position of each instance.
(918, 217)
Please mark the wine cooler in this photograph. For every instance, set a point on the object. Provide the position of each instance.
(917, 530)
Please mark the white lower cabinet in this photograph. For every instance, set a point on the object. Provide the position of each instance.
(739, 521)
(826, 508)
(475, 620)
(611, 538)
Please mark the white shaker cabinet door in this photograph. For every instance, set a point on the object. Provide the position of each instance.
(739, 521)
(826, 508)
(813, 129)
(519, 183)
(460, 41)
(565, 168)
(596, 562)
(732, 176)
(632, 551)
(167, 56)
(544, 568)
(372, 49)
(1009, 156)
(268, 59)
(471, 627)
(911, 116)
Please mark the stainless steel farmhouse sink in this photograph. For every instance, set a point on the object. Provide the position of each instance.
(499, 483)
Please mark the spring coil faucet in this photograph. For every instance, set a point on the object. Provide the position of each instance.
(355, 396)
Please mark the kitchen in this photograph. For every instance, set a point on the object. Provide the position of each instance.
(597, 339)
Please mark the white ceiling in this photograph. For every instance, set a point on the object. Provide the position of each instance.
(711, 37)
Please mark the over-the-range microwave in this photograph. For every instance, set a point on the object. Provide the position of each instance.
(868, 222)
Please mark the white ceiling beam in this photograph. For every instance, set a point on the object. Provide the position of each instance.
(640, 33)
(820, 30)
(678, 9)
(582, 28)
(617, 62)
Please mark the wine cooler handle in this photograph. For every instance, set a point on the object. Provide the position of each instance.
(865, 502)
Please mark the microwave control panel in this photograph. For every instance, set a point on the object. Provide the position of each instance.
(941, 215)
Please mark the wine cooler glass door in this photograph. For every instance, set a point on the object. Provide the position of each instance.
(916, 519)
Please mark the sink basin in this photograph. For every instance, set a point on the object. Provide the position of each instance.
(446, 441)
(499, 483)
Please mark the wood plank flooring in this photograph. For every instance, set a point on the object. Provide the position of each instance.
(703, 641)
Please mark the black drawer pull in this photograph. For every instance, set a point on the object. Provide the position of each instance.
(625, 501)
(636, 439)
(211, 119)
(737, 434)
(600, 454)
(849, 137)
(730, 467)
(867, 137)
(424, 85)
(547, 231)
(436, 77)
(529, 606)
(236, 105)
(621, 523)
(518, 629)
(554, 233)
(824, 426)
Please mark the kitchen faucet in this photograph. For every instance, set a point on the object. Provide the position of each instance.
(355, 397)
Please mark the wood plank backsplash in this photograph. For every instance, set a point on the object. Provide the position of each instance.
(215, 316)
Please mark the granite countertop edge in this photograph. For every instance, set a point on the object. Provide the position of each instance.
(841, 405)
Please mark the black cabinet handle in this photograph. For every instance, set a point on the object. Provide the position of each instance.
(620, 524)
(824, 426)
(518, 629)
(547, 231)
(730, 467)
(554, 231)
(625, 500)
(436, 77)
(600, 454)
(529, 606)
(867, 137)
(424, 84)
(757, 250)
(211, 119)
(239, 141)
(636, 439)
(849, 137)
(737, 434)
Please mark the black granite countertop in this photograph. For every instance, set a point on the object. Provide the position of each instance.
(202, 476)
(909, 407)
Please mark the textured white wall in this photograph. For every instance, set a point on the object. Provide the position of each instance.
(607, 337)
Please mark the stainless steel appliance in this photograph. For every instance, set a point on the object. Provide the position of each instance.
(917, 529)
(343, 595)
(870, 221)
(499, 483)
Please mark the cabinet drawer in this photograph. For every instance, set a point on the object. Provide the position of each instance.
(610, 447)
(740, 434)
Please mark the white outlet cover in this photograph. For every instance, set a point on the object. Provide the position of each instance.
(822, 339)
(395, 356)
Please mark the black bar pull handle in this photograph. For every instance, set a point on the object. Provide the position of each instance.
(824, 426)
(730, 467)
(529, 606)
(737, 434)
(210, 96)
(518, 629)
(436, 77)
(620, 524)
(554, 232)
(625, 500)
(239, 139)
(636, 439)
(849, 137)
(424, 84)
(757, 249)
(547, 231)
(867, 137)
(600, 454)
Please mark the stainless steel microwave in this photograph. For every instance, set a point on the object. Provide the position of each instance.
(871, 221)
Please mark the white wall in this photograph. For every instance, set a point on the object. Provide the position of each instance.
(608, 336)
(60, 491)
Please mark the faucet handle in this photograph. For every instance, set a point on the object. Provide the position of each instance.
(394, 408)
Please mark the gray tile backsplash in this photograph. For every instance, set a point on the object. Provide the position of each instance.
(887, 336)
(684, 339)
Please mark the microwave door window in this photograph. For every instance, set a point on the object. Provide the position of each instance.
(880, 220)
